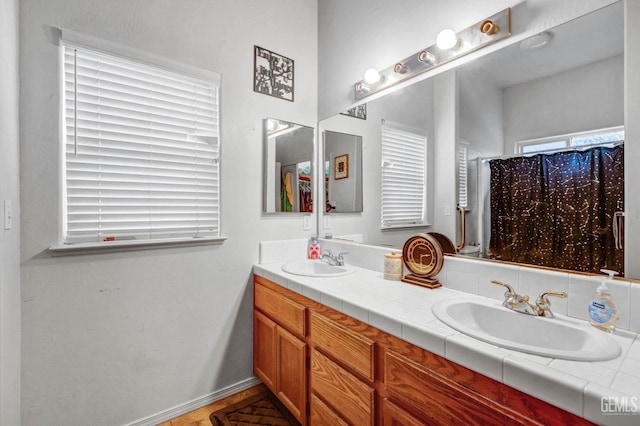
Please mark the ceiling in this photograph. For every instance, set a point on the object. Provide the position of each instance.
(590, 38)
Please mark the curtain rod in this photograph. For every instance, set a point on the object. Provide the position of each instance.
(507, 157)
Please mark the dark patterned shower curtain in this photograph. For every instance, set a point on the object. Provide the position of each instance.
(556, 210)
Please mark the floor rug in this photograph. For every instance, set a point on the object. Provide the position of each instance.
(262, 409)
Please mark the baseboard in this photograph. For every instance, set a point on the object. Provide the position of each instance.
(192, 405)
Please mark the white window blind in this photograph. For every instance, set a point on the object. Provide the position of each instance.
(462, 174)
(141, 150)
(403, 177)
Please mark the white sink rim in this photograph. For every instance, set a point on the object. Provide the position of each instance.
(601, 346)
(315, 268)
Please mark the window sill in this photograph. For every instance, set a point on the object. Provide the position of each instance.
(407, 226)
(130, 245)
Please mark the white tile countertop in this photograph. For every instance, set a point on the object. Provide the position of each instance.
(588, 389)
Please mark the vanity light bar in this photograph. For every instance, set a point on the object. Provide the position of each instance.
(472, 38)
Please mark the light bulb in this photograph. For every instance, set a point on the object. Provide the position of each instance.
(446, 39)
(371, 76)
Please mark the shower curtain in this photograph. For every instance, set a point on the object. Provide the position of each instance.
(557, 210)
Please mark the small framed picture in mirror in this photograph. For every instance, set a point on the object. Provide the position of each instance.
(341, 167)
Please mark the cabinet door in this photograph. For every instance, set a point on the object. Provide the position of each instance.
(395, 416)
(264, 349)
(292, 373)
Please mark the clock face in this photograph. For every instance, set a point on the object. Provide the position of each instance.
(423, 255)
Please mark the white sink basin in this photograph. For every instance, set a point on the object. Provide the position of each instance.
(315, 268)
(559, 337)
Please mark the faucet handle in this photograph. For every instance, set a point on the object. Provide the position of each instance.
(510, 289)
(560, 294)
(543, 304)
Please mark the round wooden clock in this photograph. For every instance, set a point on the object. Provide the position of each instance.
(423, 256)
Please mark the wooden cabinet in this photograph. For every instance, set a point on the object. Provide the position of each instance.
(279, 357)
(359, 375)
(350, 398)
(264, 349)
(392, 415)
(291, 371)
(344, 345)
(322, 415)
(439, 399)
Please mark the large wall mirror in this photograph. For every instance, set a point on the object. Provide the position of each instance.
(572, 82)
(288, 159)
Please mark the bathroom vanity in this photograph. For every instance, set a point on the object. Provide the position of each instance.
(359, 349)
(358, 374)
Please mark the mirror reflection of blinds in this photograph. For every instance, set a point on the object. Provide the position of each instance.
(403, 177)
(141, 157)
(462, 174)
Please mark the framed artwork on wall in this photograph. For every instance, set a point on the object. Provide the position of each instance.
(341, 167)
(273, 74)
(359, 111)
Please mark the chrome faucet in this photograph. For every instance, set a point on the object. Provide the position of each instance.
(543, 305)
(518, 303)
(331, 259)
(514, 301)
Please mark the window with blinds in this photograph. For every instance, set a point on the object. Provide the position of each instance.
(141, 150)
(463, 148)
(404, 155)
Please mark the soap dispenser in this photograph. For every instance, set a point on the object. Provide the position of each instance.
(602, 308)
(314, 248)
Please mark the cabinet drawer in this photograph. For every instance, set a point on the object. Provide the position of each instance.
(443, 401)
(392, 415)
(285, 312)
(344, 345)
(323, 415)
(348, 396)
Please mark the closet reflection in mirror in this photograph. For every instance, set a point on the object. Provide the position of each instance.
(343, 172)
(288, 155)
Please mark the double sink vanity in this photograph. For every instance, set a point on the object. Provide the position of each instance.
(341, 345)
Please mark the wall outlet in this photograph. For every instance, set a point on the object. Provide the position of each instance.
(8, 219)
(306, 222)
(327, 222)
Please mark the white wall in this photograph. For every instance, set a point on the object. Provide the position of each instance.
(9, 239)
(111, 338)
(480, 112)
(585, 98)
(445, 119)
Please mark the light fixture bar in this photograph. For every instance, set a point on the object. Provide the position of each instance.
(472, 38)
